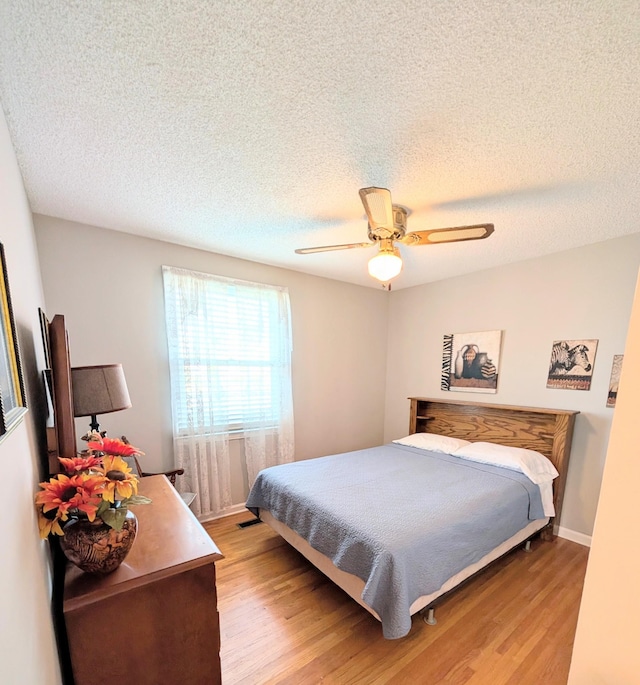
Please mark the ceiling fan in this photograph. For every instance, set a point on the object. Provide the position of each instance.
(388, 224)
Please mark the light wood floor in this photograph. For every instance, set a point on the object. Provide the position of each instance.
(283, 622)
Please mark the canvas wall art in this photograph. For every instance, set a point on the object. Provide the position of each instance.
(571, 364)
(12, 397)
(616, 367)
(470, 361)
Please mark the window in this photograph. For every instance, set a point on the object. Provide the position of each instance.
(230, 352)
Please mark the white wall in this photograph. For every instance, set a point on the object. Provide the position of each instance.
(109, 287)
(27, 643)
(581, 293)
(606, 644)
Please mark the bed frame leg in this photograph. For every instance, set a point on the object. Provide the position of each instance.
(527, 546)
(430, 617)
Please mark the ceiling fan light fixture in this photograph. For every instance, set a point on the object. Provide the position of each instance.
(386, 265)
(387, 225)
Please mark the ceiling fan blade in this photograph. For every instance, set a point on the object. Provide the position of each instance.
(377, 205)
(448, 235)
(330, 248)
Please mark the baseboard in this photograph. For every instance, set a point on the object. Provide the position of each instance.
(574, 536)
(229, 511)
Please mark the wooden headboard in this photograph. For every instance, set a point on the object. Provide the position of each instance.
(548, 431)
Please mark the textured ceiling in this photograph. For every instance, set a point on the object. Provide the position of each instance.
(246, 128)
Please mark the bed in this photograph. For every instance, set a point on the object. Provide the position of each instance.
(398, 526)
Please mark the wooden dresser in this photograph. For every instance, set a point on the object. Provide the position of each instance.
(155, 619)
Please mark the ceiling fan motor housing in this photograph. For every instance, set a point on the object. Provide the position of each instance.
(399, 226)
(400, 215)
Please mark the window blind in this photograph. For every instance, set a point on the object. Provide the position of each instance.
(232, 344)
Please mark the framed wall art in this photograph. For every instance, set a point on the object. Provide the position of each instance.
(616, 367)
(470, 361)
(12, 397)
(571, 364)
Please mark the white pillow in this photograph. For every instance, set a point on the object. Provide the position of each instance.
(533, 464)
(433, 442)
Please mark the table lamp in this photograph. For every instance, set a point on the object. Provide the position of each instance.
(99, 390)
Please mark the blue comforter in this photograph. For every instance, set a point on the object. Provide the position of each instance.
(402, 519)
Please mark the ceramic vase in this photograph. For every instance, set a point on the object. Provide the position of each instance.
(458, 365)
(95, 547)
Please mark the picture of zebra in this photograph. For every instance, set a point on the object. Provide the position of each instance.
(571, 364)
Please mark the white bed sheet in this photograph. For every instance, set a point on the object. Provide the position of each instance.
(546, 494)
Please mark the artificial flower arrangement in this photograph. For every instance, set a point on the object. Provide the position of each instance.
(98, 484)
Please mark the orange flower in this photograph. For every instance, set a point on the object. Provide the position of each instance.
(50, 524)
(76, 464)
(99, 485)
(64, 493)
(118, 479)
(114, 446)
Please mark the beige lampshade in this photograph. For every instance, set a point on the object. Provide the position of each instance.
(99, 389)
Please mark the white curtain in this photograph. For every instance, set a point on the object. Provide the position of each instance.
(269, 444)
(230, 366)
